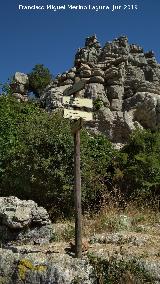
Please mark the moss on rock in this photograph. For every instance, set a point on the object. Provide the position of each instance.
(26, 265)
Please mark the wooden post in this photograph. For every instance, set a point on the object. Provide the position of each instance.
(77, 196)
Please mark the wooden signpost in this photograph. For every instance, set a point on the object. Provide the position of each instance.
(75, 109)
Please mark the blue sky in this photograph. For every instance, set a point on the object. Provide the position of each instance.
(29, 37)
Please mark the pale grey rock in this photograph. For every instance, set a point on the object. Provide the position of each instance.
(149, 87)
(20, 88)
(113, 125)
(51, 97)
(84, 67)
(71, 75)
(116, 104)
(90, 52)
(73, 69)
(97, 91)
(146, 113)
(105, 121)
(120, 238)
(129, 120)
(77, 79)
(23, 220)
(134, 48)
(35, 235)
(21, 78)
(146, 109)
(20, 84)
(115, 48)
(132, 74)
(38, 267)
(20, 97)
(67, 82)
(16, 213)
(92, 42)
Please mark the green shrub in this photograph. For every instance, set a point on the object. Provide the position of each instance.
(141, 169)
(97, 104)
(36, 161)
(39, 78)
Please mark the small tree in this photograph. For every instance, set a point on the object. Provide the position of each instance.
(39, 78)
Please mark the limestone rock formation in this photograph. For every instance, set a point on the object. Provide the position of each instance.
(122, 76)
(22, 220)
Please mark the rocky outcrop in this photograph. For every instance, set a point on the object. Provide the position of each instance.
(19, 86)
(124, 78)
(23, 221)
(120, 75)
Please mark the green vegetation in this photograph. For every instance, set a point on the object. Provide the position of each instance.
(36, 158)
(36, 162)
(39, 78)
(140, 167)
(97, 104)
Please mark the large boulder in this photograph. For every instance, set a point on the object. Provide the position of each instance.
(23, 220)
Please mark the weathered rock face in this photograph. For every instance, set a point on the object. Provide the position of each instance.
(22, 220)
(124, 78)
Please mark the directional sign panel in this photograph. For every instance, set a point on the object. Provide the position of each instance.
(75, 107)
(76, 114)
(75, 88)
(77, 102)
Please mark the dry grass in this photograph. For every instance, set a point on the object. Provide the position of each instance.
(113, 219)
